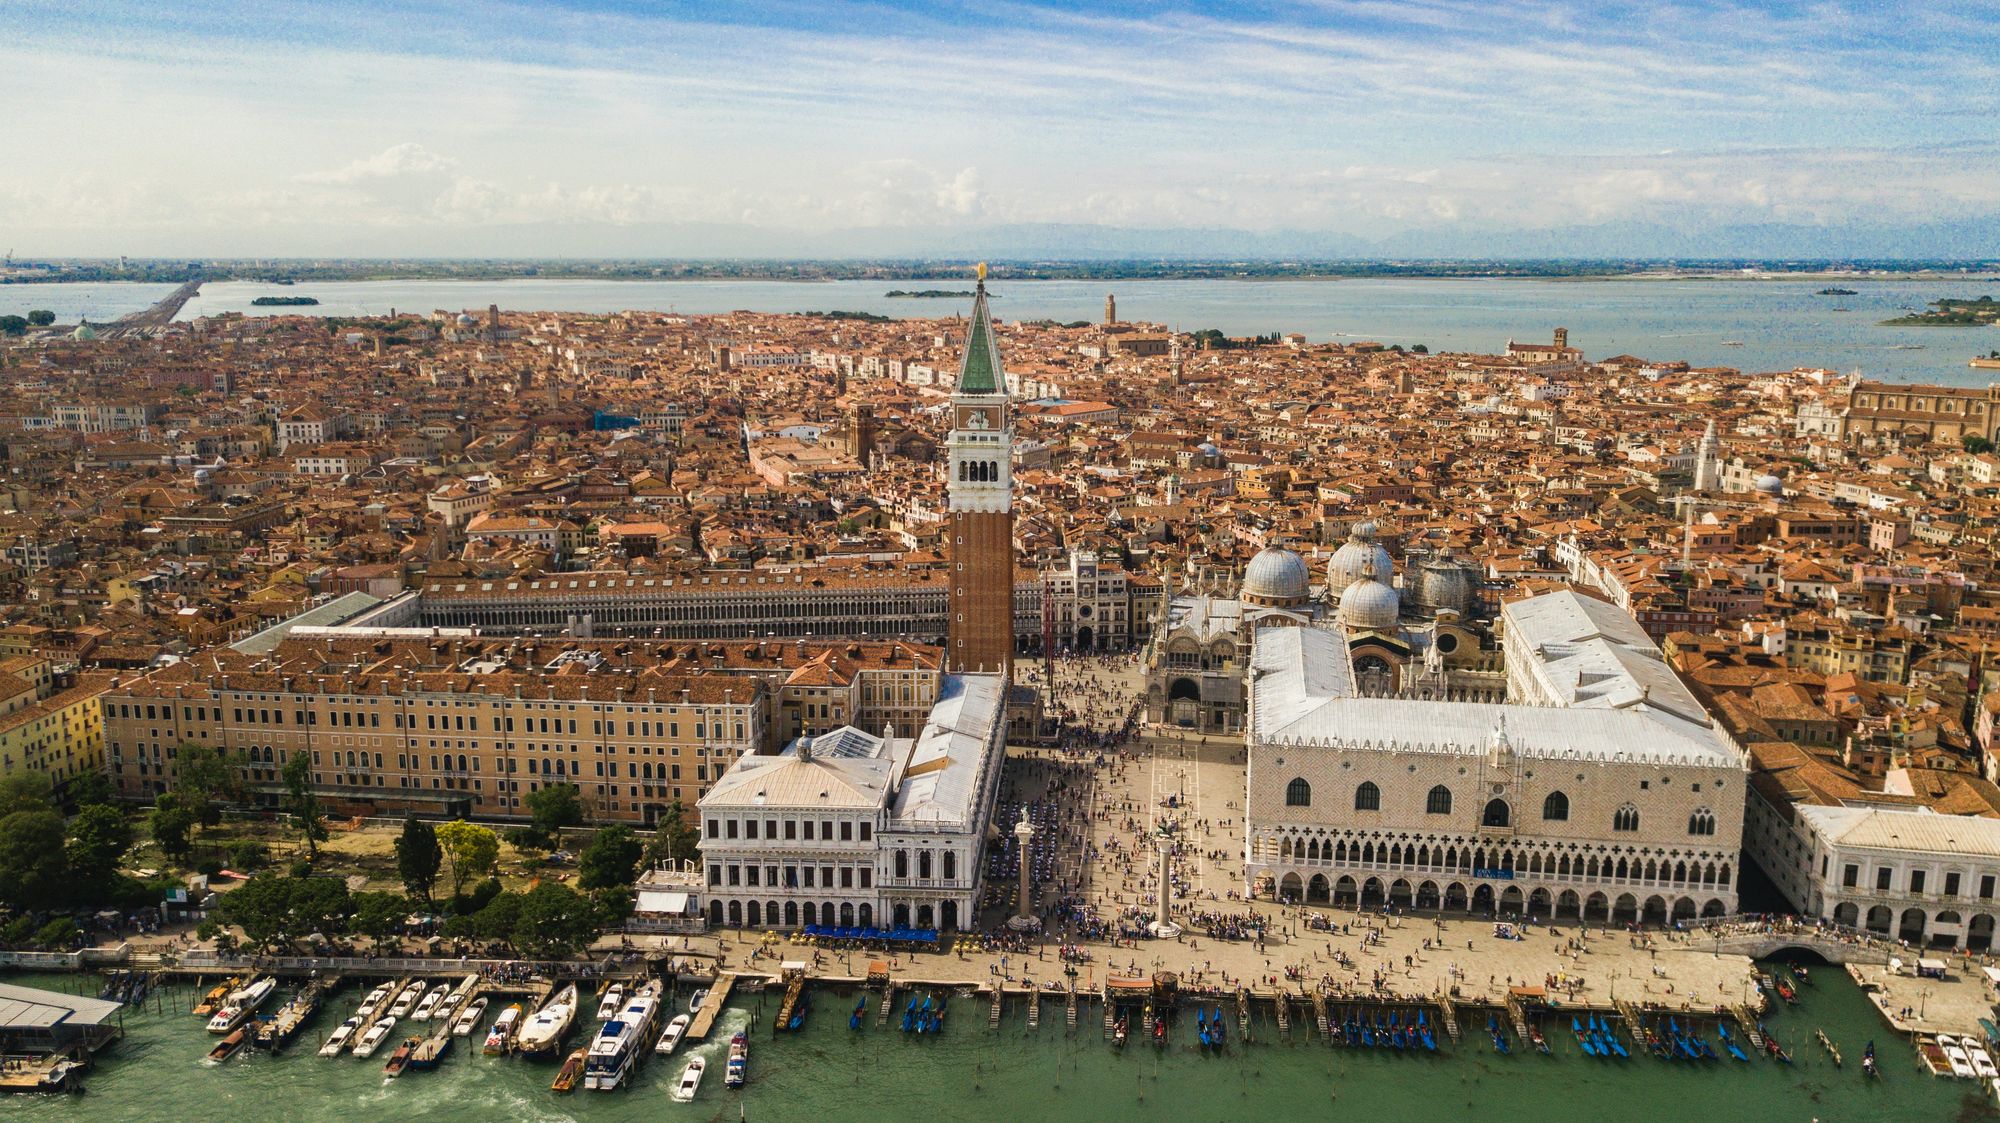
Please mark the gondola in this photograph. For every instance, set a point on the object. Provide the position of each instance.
(1159, 1029)
(854, 1019)
(1499, 1038)
(1582, 1039)
(1124, 1026)
(1729, 1042)
(1215, 1027)
(1868, 1062)
(1201, 1026)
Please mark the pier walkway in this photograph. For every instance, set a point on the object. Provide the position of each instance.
(711, 1007)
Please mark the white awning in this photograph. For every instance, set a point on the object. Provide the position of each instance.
(658, 901)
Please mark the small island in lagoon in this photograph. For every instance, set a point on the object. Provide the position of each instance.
(1835, 292)
(284, 301)
(1951, 313)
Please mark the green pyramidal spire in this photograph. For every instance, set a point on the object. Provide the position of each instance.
(979, 371)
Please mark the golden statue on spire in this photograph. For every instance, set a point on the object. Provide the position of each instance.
(982, 272)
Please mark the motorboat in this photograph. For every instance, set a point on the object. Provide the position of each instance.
(217, 995)
(427, 1007)
(543, 1033)
(228, 1046)
(468, 1019)
(240, 1004)
(615, 1054)
(738, 1068)
(407, 1000)
(502, 1032)
(614, 998)
(570, 1072)
(341, 1037)
(695, 1000)
(373, 1003)
(671, 1038)
(1982, 1061)
(372, 1040)
(1955, 1056)
(400, 1059)
(690, 1080)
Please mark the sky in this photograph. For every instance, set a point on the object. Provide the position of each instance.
(603, 127)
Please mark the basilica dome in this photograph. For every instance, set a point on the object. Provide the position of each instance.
(1276, 578)
(1368, 604)
(1356, 557)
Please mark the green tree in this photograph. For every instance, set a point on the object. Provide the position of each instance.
(60, 934)
(379, 916)
(97, 838)
(172, 824)
(26, 791)
(303, 802)
(674, 838)
(261, 907)
(1976, 444)
(611, 860)
(41, 317)
(31, 858)
(554, 922)
(203, 782)
(472, 851)
(319, 904)
(13, 325)
(553, 807)
(418, 858)
(499, 919)
(89, 790)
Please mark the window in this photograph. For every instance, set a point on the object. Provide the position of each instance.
(1439, 802)
(1368, 797)
(1702, 821)
(1882, 879)
(1555, 809)
(1986, 887)
(1626, 818)
(1916, 881)
(1951, 884)
(1850, 877)
(1298, 793)
(1497, 814)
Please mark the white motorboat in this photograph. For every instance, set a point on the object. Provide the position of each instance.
(241, 1004)
(671, 1039)
(374, 1001)
(342, 1035)
(407, 1001)
(612, 1002)
(690, 1080)
(426, 1009)
(1982, 1061)
(695, 1000)
(468, 1019)
(376, 1035)
(502, 1031)
(543, 1033)
(615, 1054)
(1954, 1055)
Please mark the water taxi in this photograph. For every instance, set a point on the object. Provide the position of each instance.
(612, 1002)
(213, 1000)
(502, 1032)
(227, 1047)
(400, 1059)
(671, 1038)
(341, 1036)
(372, 1040)
(468, 1019)
(407, 1000)
(567, 1075)
(374, 1001)
(690, 1080)
(426, 1009)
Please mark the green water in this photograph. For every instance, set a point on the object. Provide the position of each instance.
(830, 1074)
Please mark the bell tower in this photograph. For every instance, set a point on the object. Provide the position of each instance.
(979, 466)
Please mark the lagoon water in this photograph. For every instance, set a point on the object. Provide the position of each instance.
(1779, 324)
(830, 1074)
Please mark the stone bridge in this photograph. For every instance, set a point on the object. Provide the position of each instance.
(1834, 947)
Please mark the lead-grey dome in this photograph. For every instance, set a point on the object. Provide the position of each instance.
(1370, 604)
(1356, 557)
(1768, 484)
(1276, 577)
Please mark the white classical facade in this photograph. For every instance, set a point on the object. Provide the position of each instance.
(1898, 870)
(851, 829)
(1613, 797)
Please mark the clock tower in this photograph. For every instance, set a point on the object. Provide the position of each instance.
(979, 468)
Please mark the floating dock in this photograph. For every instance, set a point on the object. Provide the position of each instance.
(711, 1007)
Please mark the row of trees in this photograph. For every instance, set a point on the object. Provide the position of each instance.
(49, 862)
(18, 325)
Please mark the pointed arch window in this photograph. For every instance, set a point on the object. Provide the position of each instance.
(1555, 808)
(1626, 818)
(1439, 801)
(1298, 793)
(1368, 797)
